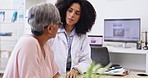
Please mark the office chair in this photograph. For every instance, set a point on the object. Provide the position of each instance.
(100, 55)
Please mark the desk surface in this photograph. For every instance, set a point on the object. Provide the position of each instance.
(130, 75)
(126, 50)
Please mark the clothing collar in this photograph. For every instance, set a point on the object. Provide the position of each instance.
(62, 30)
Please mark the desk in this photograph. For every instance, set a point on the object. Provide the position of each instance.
(130, 75)
(130, 51)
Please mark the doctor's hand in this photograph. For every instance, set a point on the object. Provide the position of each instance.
(72, 74)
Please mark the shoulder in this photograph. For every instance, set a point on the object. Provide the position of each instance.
(27, 45)
(27, 40)
(83, 36)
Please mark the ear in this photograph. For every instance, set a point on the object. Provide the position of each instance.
(49, 30)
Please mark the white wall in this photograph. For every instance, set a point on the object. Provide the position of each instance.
(4, 3)
(113, 9)
(119, 9)
(28, 4)
(16, 28)
(33, 2)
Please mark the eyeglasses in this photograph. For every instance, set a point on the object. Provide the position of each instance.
(59, 24)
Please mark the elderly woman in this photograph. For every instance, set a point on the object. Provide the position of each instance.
(32, 57)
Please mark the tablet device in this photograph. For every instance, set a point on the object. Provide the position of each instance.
(95, 40)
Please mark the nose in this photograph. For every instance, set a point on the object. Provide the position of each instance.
(72, 14)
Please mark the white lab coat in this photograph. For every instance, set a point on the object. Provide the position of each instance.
(80, 52)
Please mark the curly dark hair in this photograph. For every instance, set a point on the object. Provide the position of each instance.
(87, 17)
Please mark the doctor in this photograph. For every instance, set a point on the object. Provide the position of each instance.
(71, 47)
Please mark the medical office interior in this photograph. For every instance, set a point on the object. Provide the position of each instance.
(122, 26)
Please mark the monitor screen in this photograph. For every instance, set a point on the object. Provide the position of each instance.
(122, 30)
(95, 40)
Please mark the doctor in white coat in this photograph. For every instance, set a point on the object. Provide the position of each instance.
(80, 52)
(70, 46)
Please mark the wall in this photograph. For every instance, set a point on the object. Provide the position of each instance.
(3, 4)
(119, 9)
(33, 2)
(113, 9)
(6, 25)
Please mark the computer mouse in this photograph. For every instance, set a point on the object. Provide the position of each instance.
(142, 74)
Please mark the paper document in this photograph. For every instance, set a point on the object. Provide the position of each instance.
(120, 71)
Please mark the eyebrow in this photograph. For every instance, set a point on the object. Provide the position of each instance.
(73, 9)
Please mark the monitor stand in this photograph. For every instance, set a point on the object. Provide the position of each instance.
(125, 45)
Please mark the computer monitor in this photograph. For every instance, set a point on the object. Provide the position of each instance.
(122, 30)
(95, 40)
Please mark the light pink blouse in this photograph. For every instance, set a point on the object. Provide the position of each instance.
(27, 60)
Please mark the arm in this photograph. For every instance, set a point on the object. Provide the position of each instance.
(57, 75)
(84, 59)
(54, 65)
(85, 56)
(28, 66)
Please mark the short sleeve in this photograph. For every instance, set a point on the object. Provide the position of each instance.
(54, 65)
(27, 57)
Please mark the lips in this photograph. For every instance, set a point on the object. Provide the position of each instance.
(70, 19)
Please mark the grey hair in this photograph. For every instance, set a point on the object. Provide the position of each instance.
(42, 15)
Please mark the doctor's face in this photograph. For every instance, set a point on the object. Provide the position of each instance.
(73, 14)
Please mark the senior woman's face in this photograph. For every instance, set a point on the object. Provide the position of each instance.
(55, 28)
(73, 14)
